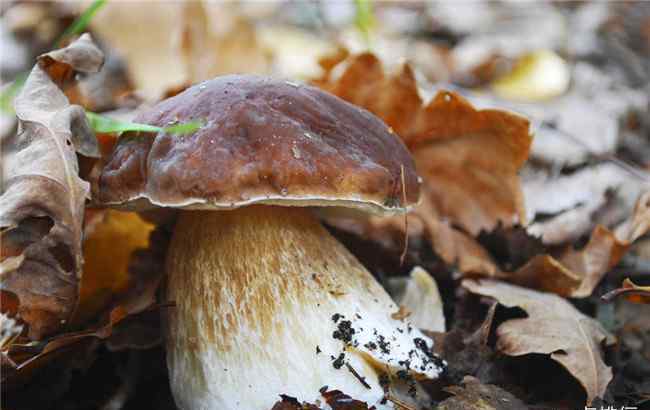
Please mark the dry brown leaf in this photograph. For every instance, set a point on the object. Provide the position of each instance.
(631, 291)
(474, 395)
(553, 327)
(469, 158)
(575, 273)
(42, 204)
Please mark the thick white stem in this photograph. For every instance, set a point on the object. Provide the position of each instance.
(256, 291)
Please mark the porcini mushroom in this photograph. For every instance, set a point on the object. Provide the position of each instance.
(267, 301)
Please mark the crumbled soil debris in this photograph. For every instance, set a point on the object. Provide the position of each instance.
(344, 332)
(382, 343)
(337, 362)
(430, 357)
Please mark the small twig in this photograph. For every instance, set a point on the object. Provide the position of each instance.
(361, 379)
(406, 220)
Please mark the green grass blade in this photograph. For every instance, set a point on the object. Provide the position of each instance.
(9, 93)
(102, 124)
(364, 18)
(81, 22)
(184, 128)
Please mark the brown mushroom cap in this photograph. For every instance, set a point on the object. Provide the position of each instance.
(263, 141)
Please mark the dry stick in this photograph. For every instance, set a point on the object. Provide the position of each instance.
(406, 220)
(356, 374)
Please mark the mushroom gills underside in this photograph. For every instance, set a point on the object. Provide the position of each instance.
(269, 303)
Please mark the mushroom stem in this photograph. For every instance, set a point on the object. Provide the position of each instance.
(256, 291)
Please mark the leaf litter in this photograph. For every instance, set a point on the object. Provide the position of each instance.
(549, 220)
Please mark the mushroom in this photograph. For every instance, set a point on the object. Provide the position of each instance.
(267, 302)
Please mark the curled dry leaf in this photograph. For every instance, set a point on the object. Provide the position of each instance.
(576, 272)
(554, 327)
(631, 292)
(42, 202)
(469, 158)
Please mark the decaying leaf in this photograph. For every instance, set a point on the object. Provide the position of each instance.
(476, 396)
(42, 202)
(631, 292)
(554, 327)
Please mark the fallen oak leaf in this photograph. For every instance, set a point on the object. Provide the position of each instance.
(554, 327)
(450, 139)
(630, 291)
(42, 204)
(469, 159)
